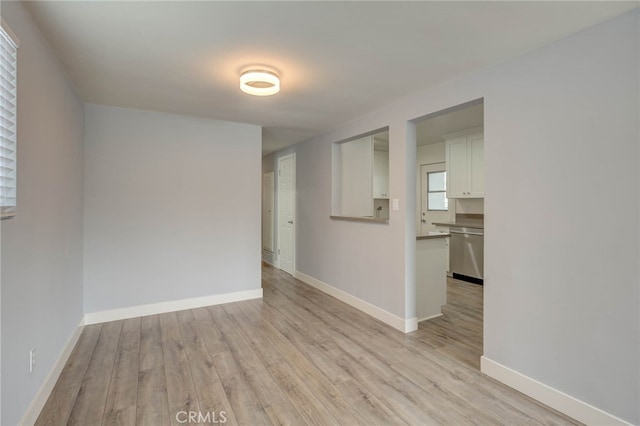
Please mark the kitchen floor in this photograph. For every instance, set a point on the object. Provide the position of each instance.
(458, 332)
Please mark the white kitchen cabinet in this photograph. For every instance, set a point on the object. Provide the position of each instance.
(431, 277)
(465, 164)
(356, 162)
(381, 174)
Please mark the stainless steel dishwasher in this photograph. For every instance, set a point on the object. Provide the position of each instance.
(467, 253)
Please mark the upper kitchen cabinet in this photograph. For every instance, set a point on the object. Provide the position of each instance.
(465, 164)
(381, 174)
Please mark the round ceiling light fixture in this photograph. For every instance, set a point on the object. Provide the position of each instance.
(259, 82)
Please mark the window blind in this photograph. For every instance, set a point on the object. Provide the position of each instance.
(8, 95)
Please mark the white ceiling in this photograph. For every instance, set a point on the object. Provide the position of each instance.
(337, 60)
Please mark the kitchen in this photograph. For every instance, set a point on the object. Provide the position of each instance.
(450, 224)
(449, 198)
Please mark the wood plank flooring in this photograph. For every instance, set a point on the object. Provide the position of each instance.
(298, 356)
(458, 332)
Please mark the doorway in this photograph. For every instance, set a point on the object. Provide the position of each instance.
(286, 213)
(439, 200)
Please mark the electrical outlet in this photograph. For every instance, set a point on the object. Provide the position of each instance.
(32, 360)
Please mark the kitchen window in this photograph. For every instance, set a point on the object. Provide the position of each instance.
(8, 121)
(437, 191)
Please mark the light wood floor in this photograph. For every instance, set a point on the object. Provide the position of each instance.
(458, 332)
(296, 357)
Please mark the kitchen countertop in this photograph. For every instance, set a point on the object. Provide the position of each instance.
(432, 235)
(461, 225)
(367, 219)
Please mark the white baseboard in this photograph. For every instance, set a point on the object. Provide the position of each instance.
(172, 306)
(406, 326)
(572, 407)
(410, 325)
(429, 318)
(37, 404)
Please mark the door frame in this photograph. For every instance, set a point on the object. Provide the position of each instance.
(279, 206)
(268, 197)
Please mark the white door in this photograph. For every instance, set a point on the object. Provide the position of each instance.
(286, 212)
(434, 204)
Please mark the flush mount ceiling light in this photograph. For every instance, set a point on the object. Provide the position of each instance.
(259, 83)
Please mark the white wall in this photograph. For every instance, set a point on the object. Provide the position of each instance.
(434, 153)
(470, 205)
(562, 300)
(42, 246)
(365, 260)
(561, 282)
(172, 207)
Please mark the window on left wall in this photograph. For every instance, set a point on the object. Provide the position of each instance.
(8, 121)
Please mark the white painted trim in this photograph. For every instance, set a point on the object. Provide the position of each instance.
(404, 325)
(410, 325)
(430, 318)
(567, 404)
(271, 196)
(37, 404)
(171, 306)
